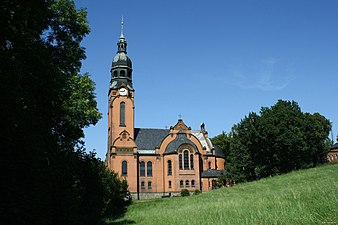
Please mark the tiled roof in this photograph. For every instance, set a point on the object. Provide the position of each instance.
(335, 146)
(180, 139)
(148, 138)
(219, 152)
(211, 173)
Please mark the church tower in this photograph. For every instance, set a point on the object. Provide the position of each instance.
(121, 146)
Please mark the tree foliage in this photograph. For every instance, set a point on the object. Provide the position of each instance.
(46, 176)
(278, 140)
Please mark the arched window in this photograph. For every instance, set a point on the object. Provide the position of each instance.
(142, 185)
(122, 73)
(115, 73)
(169, 183)
(186, 159)
(169, 168)
(129, 74)
(181, 184)
(142, 169)
(180, 161)
(122, 114)
(214, 184)
(193, 183)
(149, 169)
(124, 168)
(192, 161)
(149, 185)
(209, 165)
(187, 183)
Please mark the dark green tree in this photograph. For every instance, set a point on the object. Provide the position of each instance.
(46, 176)
(281, 139)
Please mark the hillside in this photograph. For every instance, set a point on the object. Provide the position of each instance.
(303, 197)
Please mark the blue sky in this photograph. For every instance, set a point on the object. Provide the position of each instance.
(214, 61)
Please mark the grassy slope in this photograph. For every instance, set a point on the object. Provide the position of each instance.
(302, 197)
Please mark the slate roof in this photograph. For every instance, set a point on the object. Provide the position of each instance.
(148, 138)
(211, 173)
(335, 146)
(219, 152)
(180, 139)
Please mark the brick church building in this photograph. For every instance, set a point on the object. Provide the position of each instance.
(155, 162)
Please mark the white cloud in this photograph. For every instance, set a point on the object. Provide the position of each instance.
(267, 75)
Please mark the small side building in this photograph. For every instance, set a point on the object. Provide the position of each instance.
(332, 155)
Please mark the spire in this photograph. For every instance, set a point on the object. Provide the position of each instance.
(122, 44)
(121, 70)
(122, 28)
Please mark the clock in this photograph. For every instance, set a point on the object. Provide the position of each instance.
(123, 91)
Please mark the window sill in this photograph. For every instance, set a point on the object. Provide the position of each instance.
(186, 172)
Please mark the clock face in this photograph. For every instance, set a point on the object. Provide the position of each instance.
(123, 91)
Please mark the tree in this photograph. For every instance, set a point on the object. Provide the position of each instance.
(46, 176)
(281, 139)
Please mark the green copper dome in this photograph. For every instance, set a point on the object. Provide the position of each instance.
(121, 69)
(121, 59)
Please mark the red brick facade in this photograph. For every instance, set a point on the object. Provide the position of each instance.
(332, 155)
(155, 162)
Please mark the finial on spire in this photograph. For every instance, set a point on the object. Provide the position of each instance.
(202, 126)
(122, 28)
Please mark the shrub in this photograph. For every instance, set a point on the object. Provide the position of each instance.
(185, 192)
(197, 192)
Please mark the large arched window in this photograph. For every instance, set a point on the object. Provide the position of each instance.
(149, 185)
(187, 183)
(122, 114)
(192, 161)
(181, 184)
(142, 185)
(142, 169)
(124, 168)
(180, 162)
(169, 168)
(149, 169)
(186, 159)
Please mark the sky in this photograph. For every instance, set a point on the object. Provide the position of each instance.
(214, 61)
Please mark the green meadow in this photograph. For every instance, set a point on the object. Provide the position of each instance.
(307, 196)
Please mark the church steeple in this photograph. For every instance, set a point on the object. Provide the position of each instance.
(121, 70)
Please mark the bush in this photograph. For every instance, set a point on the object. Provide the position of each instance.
(197, 192)
(185, 192)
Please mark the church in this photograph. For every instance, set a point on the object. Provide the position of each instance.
(155, 162)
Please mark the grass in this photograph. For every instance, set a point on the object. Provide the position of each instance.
(302, 197)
